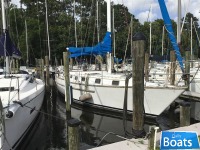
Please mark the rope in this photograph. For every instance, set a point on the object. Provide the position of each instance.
(25, 105)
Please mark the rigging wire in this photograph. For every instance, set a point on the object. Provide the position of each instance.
(186, 10)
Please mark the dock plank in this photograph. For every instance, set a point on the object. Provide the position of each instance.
(136, 144)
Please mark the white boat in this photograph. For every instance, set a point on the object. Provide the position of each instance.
(21, 96)
(104, 89)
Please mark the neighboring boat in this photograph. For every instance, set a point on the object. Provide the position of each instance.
(105, 90)
(21, 96)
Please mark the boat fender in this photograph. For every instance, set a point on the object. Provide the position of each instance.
(9, 114)
(11, 111)
(86, 96)
(31, 80)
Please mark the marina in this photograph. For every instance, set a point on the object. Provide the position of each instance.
(98, 129)
(93, 99)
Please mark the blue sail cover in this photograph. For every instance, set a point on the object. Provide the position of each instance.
(100, 49)
(9, 48)
(171, 35)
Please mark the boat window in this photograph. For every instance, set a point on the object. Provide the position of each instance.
(83, 79)
(70, 76)
(160, 75)
(149, 75)
(191, 75)
(115, 82)
(7, 89)
(97, 81)
(76, 78)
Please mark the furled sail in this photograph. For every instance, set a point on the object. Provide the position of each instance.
(171, 35)
(100, 49)
(7, 48)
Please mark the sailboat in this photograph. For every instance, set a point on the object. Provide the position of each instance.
(105, 90)
(21, 95)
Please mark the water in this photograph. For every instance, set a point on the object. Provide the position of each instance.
(49, 131)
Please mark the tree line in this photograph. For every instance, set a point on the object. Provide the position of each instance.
(65, 15)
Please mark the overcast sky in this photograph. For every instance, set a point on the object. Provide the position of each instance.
(140, 8)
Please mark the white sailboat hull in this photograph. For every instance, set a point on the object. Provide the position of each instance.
(17, 125)
(156, 99)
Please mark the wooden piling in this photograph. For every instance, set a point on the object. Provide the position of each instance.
(187, 69)
(172, 67)
(171, 115)
(73, 134)
(71, 63)
(42, 68)
(67, 81)
(152, 137)
(47, 70)
(146, 71)
(138, 84)
(184, 113)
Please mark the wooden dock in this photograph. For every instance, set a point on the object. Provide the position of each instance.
(142, 144)
(132, 144)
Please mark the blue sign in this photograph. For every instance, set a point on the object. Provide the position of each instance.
(179, 140)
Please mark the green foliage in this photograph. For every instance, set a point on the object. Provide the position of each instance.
(62, 27)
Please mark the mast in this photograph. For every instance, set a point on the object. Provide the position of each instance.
(163, 35)
(191, 39)
(108, 16)
(98, 21)
(75, 22)
(7, 71)
(179, 23)
(171, 35)
(150, 31)
(109, 60)
(113, 30)
(47, 30)
(27, 59)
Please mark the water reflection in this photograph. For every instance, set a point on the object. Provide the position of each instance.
(49, 131)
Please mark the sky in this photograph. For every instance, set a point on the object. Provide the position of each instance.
(140, 8)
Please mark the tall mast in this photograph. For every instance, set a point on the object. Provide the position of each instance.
(109, 60)
(98, 21)
(113, 29)
(27, 59)
(179, 23)
(108, 16)
(47, 30)
(75, 22)
(163, 36)
(191, 39)
(7, 71)
(150, 30)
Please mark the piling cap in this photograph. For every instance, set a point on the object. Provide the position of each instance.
(73, 122)
(139, 36)
(185, 104)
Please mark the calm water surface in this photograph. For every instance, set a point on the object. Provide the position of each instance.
(49, 130)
